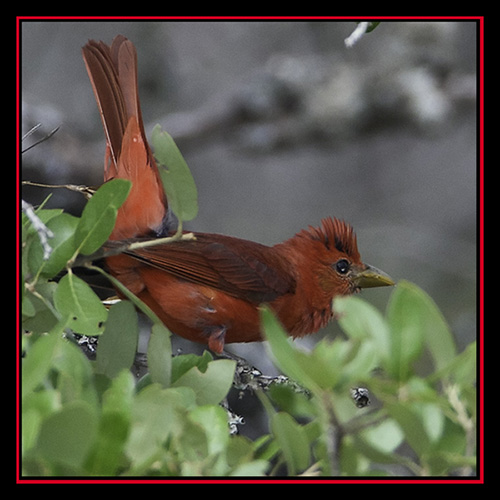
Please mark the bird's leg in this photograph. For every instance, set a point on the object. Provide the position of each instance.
(216, 335)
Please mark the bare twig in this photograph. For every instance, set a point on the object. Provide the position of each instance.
(44, 233)
(44, 138)
(249, 378)
(333, 433)
(87, 191)
(465, 420)
(357, 34)
(32, 130)
(160, 241)
(111, 248)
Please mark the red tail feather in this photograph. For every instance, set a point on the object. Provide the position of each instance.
(113, 74)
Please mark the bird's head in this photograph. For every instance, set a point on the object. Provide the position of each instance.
(342, 271)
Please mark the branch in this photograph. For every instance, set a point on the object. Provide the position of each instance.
(160, 241)
(31, 131)
(463, 418)
(357, 34)
(87, 191)
(111, 248)
(333, 433)
(249, 378)
(44, 233)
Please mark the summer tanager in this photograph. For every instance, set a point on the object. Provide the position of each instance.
(209, 289)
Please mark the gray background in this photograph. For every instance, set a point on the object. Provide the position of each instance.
(282, 125)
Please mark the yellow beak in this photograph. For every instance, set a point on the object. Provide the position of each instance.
(370, 277)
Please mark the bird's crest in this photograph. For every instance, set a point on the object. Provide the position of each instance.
(335, 233)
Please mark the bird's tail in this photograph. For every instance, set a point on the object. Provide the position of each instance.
(113, 73)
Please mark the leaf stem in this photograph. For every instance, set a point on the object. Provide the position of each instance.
(117, 247)
(178, 236)
(128, 294)
(333, 434)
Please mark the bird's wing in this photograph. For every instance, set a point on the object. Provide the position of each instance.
(241, 268)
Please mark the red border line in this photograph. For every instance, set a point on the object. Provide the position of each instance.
(476, 480)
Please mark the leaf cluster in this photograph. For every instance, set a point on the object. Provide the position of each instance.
(93, 417)
(420, 423)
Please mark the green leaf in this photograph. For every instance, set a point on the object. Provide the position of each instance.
(45, 215)
(361, 321)
(384, 437)
(37, 362)
(329, 364)
(160, 355)
(212, 386)
(118, 344)
(407, 334)
(433, 420)
(178, 182)
(462, 369)
(63, 227)
(416, 321)
(372, 25)
(119, 395)
(42, 315)
(66, 436)
(31, 420)
(107, 454)
(213, 420)
(253, 468)
(412, 424)
(325, 364)
(156, 414)
(358, 368)
(288, 399)
(114, 426)
(290, 361)
(74, 374)
(438, 336)
(74, 299)
(99, 215)
(292, 440)
(183, 363)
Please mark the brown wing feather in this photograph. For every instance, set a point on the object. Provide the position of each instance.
(241, 268)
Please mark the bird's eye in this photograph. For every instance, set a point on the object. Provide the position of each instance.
(342, 266)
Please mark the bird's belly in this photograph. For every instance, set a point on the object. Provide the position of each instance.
(196, 312)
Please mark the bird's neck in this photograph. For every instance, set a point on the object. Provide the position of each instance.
(309, 308)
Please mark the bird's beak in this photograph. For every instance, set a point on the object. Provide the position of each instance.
(370, 277)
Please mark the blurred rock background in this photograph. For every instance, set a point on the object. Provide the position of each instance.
(282, 125)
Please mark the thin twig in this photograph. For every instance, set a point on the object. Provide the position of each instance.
(87, 191)
(44, 233)
(111, 248)
(44, 138)
(32, 130)
(357, 34)
(333, 433)
(463, 418)
(116, 247)
(160, 241)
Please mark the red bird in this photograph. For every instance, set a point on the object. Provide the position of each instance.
(209, 289)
